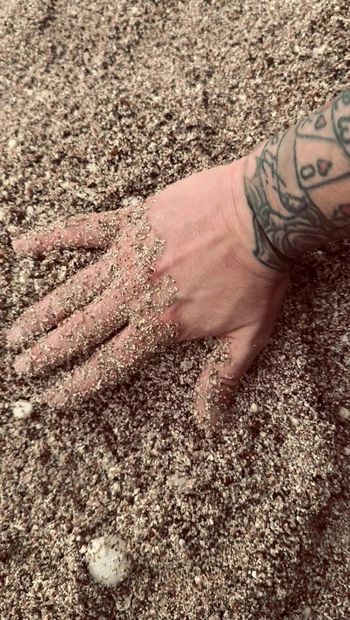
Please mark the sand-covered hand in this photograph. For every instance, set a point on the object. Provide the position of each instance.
(179, 266)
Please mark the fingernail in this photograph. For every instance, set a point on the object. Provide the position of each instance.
(22, 363)
(14, 334)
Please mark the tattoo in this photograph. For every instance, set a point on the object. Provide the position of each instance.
(287, 201)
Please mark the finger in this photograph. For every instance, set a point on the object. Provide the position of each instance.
(113, 362)
(95, 230)
(79, 332)
(64, 300)
(220, 376)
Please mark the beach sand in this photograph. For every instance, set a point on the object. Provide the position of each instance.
(102, 102)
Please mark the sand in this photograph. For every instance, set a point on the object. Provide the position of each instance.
(106, 102)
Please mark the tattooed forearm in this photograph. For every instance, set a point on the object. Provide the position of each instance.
(299, 193)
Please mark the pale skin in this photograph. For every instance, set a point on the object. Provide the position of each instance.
(229, 237)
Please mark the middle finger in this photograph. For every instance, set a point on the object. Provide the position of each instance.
(61, 302)
(81, 331)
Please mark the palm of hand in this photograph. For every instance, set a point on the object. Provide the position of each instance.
(180, 267)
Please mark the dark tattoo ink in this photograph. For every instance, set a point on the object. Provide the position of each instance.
(344, 129)
(307, 172)
(321, 122)
(323, 167)
(287, 218)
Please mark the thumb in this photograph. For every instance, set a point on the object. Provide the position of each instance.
(225, 366)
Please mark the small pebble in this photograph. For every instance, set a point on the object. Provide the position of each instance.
(254, 408)
(92, 167)
(115, 488)
(22, 409)
(106, 560)
(12, 229)
(344, 413)
(11, 143)
(307, 612)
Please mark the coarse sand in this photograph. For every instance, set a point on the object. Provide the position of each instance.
(102, 102)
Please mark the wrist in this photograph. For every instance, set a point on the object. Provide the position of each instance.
(246, 227)
(265, 208)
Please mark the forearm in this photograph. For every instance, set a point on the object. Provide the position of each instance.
(297, 185)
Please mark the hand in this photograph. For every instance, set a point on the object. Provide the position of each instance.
(179, 267)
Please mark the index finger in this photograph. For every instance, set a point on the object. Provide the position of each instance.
(95, 230)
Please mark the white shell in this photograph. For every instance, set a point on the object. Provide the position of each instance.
(106, 560)
(22, 409)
